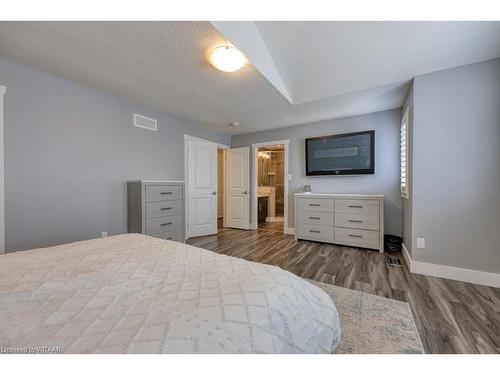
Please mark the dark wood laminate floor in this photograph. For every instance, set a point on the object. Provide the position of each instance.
(276, 226)
(451, 316)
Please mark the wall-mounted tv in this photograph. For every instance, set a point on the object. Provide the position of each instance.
(341, 154)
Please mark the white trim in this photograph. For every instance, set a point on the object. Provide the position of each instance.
(455, 273)
(255, 182)
(406, 255)
(188, 138)
(452, 273)
(289, 230)
(3, 90)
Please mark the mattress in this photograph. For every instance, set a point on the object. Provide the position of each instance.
(137, 294)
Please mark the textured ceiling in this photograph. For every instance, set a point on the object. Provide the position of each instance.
(318, 60)
(330, 69)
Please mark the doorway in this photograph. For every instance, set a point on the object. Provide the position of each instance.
(269, 204)
(216, 186)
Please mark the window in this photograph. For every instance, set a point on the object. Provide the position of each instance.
(404, 155)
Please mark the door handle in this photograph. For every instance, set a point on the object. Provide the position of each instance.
(214, 193)
(245, 192)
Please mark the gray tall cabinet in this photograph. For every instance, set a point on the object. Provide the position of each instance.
(156, 208)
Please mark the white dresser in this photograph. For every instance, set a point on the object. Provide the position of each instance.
(345, 219)
(156, 208)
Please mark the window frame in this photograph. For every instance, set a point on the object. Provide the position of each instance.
(405, 125)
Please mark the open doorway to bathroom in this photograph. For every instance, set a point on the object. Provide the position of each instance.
(271, 188)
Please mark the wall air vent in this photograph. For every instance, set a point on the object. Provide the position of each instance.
(145, 122)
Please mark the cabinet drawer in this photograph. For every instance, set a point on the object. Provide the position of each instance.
(161, 209)
(315, 218)
(158, 193)
(315, 204)
(173, 235)
(163, 224)
(316, 232)
(357, 221)
(357, 236)
(357, 206)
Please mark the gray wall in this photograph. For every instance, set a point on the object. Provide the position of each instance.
(385, 180)
(68, 151)
(456, 175)
(407, 204)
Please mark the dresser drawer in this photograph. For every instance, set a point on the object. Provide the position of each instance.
(315, 218)
(357, 236)
(316, 232)
(357, 221)
(173, 235)
(357, 206)
(315, 204)
(161, 209)
(163, 224)
(158, 193)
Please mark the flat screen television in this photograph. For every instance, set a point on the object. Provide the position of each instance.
(341, 154)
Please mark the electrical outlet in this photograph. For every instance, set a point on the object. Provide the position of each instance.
(104, 234)
(420, 243)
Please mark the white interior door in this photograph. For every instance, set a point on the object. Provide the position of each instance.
(237, 172)
(202, 188)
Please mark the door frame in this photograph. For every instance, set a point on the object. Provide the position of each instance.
(255, 182)
(188, 138)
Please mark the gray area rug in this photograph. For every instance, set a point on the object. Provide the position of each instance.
(373, 324)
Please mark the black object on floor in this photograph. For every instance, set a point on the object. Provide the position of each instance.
(392, 243)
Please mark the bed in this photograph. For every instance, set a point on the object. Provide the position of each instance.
(138, 294)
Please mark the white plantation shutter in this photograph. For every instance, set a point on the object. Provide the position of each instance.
(404, 155)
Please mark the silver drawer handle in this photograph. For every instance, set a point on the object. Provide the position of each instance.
(165, 208)
(164, 224)
(355, 221)
(353, 206)
(355, 235)
(314, 218)
(314, 204)
(315, 231)
(165, 192)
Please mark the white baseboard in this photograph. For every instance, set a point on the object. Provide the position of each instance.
(452, 273)
(406, 255)
(289, 230)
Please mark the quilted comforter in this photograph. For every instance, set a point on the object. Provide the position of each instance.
(137, 294)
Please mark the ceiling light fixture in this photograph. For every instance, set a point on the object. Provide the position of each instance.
(227, 58)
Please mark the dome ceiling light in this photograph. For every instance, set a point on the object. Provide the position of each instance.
(227, 58)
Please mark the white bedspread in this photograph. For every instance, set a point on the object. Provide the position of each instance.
(137, 294)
